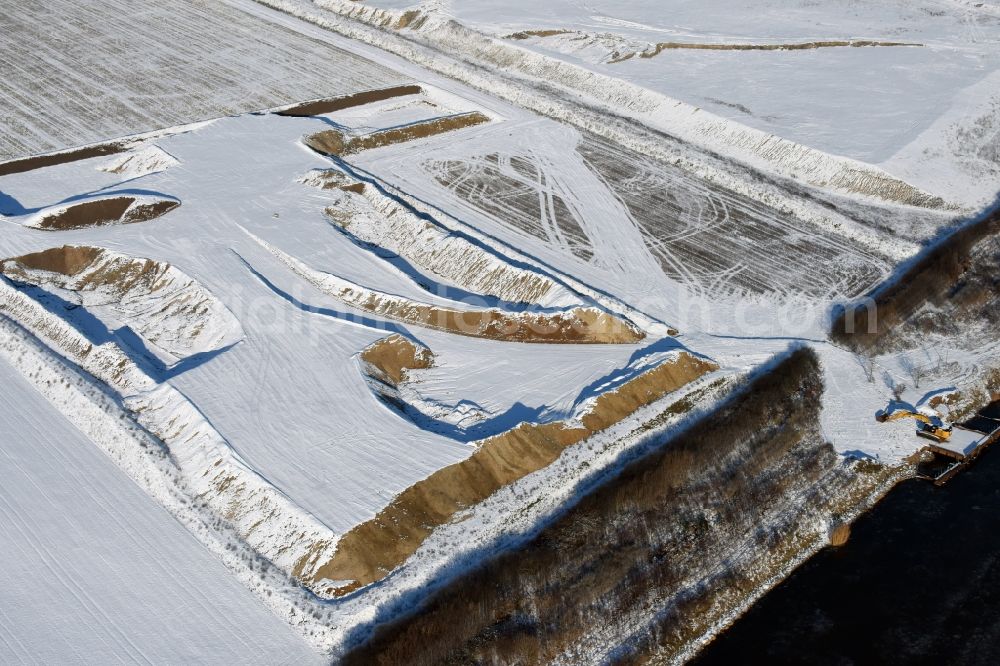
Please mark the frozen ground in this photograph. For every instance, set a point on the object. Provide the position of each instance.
(96, 572)
(742, 265)
(865, 103)
(78, 73)
(923, 109)
(294, 403)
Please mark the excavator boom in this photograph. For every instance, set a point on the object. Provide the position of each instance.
(932, 428)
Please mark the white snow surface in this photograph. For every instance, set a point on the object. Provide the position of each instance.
(865, 103)
(168, 310)
(96, 572)
(287, 412)
(77, 73)
(822, 115)
(139, 162)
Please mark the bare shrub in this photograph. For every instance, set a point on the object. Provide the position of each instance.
(935, 276)
(916, 371)
(898, 389)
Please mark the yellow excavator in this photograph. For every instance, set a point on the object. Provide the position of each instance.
(927, 426)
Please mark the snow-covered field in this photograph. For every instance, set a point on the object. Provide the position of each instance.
(96, 572)
(865, 103)
(78, 73)
(853, 114)
(223, 335)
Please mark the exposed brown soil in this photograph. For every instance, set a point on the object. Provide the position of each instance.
(412, 18)
(527, 34)
(100, 212)
(88, 214)
(374, 548)
(657, 49)
(329, 105)
(144, 212)
(66, 260)
(161, 305)
(839, 534)
(576, 326)
(676, 540)
(394, 355)
(65, 157)
(123, 273)
(338, 144)
(579, 325)
(332, 179)
(439, 250)
(357, 188)
(957, 275)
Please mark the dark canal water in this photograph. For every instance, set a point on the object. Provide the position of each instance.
(918, 583)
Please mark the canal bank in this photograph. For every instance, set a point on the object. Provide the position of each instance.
(918, 582)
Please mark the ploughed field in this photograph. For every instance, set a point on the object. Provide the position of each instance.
(717, 241)
(77, 73)
(516, 190)
(604, 203)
